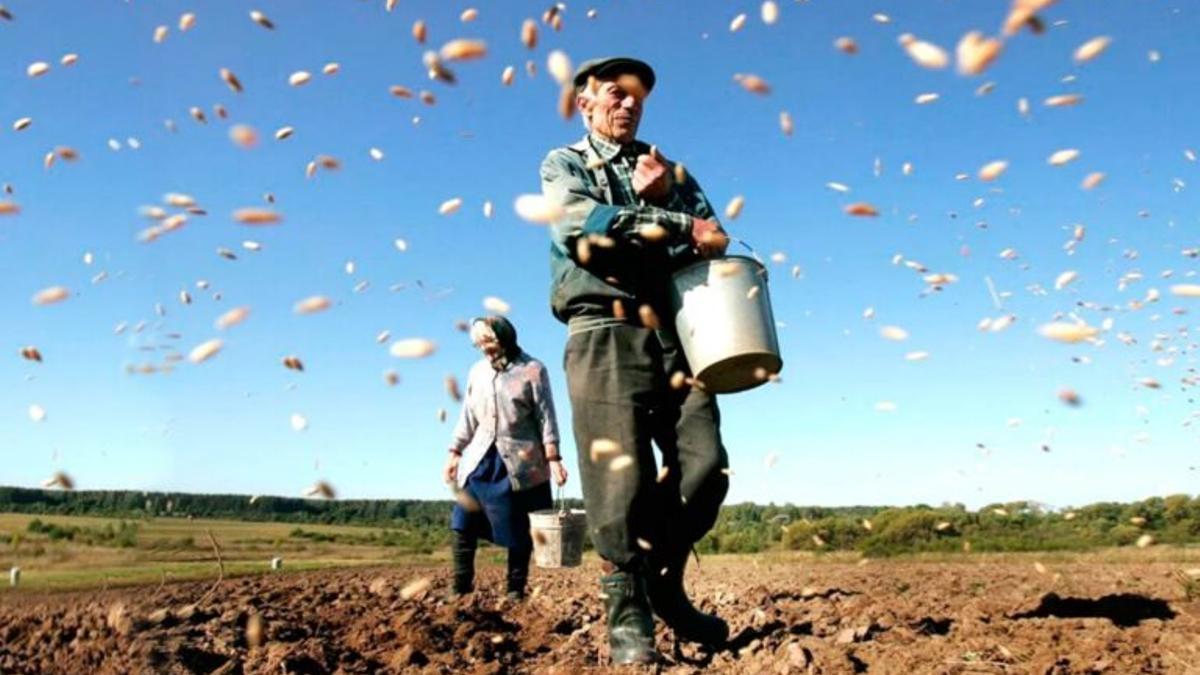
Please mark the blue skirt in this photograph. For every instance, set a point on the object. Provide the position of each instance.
(503, 515)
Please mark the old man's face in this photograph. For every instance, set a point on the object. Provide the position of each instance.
(613, 106)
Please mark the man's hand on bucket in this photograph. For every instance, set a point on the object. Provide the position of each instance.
(450, 473)
(652, 179)
(709, 238)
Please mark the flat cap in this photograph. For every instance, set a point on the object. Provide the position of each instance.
(614, 65)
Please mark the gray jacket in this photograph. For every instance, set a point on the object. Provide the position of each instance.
(513, 409)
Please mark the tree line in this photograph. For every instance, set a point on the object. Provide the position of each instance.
(1012, 526)
(740, 528)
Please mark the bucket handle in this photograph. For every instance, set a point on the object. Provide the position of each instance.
(560, 505)
(748, 247)
(753, 254)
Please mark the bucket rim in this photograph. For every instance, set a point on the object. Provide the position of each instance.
(556, 512)
(709, 261)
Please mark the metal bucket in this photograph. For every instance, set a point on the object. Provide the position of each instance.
(558, 537)
(725, 324)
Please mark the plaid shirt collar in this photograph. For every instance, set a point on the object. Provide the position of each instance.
(609, 149)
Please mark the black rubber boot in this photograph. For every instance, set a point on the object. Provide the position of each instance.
(518, 573)
(670, 602)
(630, 623)
(462, 549)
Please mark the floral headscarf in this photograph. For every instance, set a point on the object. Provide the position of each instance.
(506, 336)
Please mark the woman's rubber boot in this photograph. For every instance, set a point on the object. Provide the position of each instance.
(462, 550)
(630, 623)
(670, 602)
(518, 573)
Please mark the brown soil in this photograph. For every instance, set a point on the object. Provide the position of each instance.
(882, 617)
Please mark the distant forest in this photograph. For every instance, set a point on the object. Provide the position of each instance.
(740, 528)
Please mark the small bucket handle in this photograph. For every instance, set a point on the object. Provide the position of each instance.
(560, 505)
(753, 254)
(748, 247)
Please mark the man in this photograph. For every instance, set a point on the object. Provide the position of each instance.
(630, 221)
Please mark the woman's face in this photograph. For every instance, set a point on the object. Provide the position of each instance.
(486, 342)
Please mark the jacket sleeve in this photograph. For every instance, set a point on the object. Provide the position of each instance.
(543, 398)
(584, 214)
(690, 198)
(464, 430)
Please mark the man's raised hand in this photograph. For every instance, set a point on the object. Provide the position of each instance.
(652, 179)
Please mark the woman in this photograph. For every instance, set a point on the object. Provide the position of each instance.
(504, 451)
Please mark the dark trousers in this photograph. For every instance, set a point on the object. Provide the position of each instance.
(619, 381)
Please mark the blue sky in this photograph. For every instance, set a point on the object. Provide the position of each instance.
(223, 426)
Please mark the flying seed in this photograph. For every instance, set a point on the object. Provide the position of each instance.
(463, 50)
(620, 463)
(1091, 49)
(232, 318)
(261, 19)
(412, 348)
(602, 448)
(992, 170)
(257, 216)
(321, 489)
(861, 209)
(924, 54)
(231, 80)
(753, 84)
(50, 296)
(734, 208)
(205, 351)
(976, 52)
(1063, 100)
(312, 305)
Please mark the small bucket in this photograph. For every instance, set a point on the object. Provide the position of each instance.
(725, 324)
(558, 537)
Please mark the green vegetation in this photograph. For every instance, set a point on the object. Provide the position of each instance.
(423, 541)
(1015, 526)
(134, 505)
(410, 526)
(124, 535)
(420, 527)
(78, 552)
